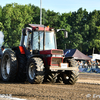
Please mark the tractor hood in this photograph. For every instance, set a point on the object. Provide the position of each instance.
(52, 51)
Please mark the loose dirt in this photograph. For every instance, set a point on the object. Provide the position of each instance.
(57, 91)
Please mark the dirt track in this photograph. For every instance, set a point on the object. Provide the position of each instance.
(55, 91)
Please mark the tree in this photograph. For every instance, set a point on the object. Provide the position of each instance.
(0, 13)
(63, 24)
(15, 17)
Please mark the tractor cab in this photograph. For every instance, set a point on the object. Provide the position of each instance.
(39, 40)
(38, 37)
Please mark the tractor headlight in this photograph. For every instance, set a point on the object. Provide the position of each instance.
(50, 55)
(57, 55)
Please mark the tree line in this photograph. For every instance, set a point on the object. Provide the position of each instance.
(83, 27)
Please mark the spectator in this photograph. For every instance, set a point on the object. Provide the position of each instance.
(89, 64)
(97, 64)
(3, 49)
(81, 64)
(86, 65)
(78, 63)
(93, 64)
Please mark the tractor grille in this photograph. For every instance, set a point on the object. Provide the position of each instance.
(56, 61)
(57, 52)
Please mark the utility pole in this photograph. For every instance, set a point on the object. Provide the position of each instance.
(40, 12)
(65, 45)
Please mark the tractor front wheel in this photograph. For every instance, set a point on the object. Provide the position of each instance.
(70, 77)
(35, 70)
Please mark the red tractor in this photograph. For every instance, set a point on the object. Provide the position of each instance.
(37, 59)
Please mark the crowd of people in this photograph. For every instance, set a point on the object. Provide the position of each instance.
(89, 64)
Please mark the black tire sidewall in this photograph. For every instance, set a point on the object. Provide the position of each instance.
(13, 65)
(72, 63)
(22, 61)
(31, 61)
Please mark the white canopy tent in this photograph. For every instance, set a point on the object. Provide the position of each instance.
(96, 56)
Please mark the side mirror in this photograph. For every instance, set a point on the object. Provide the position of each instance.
(66, 34)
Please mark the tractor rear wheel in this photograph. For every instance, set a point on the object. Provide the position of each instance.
(59, 78)
(9, 66)
(35, 70)
(51, 77)
(21, 75)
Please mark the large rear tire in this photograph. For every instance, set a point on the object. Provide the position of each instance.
(8, 66)
(35, 70)
(70, 77)
(59, 78)
(21, 75)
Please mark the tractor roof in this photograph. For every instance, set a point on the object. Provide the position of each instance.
(40, 27)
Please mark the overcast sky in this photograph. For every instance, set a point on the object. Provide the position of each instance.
(62, 6)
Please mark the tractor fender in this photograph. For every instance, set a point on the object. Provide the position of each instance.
(35, 55)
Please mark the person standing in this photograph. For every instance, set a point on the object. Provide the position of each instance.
(81, 64)
(3, 49)
(78, 63)
(1, 52)
(97, 64)
(89, 64)
(86, 66)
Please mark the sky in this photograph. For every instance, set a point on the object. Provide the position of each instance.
(61, 6)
